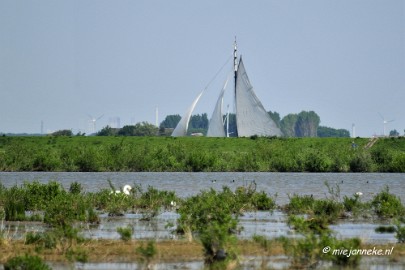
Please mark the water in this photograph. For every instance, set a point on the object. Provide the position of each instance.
(187, 184)
(270, 225)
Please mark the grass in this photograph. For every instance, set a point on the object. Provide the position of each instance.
(81, 153)
(167, 251)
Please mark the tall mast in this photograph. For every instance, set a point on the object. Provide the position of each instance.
(235, 60)
(235, 70)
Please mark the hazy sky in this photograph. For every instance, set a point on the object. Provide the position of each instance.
(61, 61)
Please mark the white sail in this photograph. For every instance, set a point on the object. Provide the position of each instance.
(216, 124)
(251, 117)
(181, 128)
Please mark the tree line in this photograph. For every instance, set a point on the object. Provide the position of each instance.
(303, 124)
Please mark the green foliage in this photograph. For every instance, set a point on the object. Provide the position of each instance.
(361, 162)
(147, 252)
(326, 210)
(45, 240)
(210, 214)
(300, 204)
(309, 250)
(385, 229)
(38, 195)
(66, 208)
(342, 259)
(387, 205)
(113, 153)
(317, 225)
(331, 132)
(125, 232)
(139, 129)
(307, 124)
(26, 262)
(199, 121)
(75, 188)
(262, 202)
(400, 233)
(107, 131)
(287, 125)
(14, 207)
(354, 205)
(262, 241)
(170, 121)
(77, 255)
(64, 132)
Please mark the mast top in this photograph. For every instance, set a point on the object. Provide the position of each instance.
(235, 56)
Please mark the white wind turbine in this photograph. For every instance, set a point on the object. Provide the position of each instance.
(385, 122)
(94, 120)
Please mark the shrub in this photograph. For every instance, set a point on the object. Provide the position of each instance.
(75, 188)
(261, 201)
(385, 229)
(387, 205)
(210, 214)
(300, 204)
(26, 262)
(400, 233)
(148, 252)
(361, 162)
(125, 232)
(328, 209)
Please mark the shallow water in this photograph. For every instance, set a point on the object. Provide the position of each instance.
(267, 224)
(188, 184)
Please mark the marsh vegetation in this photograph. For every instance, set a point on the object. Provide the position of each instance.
(158, 154)
(208, 223)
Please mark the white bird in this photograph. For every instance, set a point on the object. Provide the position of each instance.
(358, 193)
(126, 190)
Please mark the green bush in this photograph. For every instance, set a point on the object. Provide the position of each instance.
(300, 204)
(14, 207)
(26, 262)
(210, 214)
(75, 188)
(361, 162)
(125, 233)
(147, 252)
(387, 205)
(328, 209)
(400, 233)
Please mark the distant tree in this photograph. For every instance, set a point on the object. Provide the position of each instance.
(145, 129)
(127, 130)
(276, 117)
(139, 129)
(63, 132)
(287, 125)
(394, 133)
(107, 131)
(331, 132)
(199, 121)
(307, 124)
(170, 121)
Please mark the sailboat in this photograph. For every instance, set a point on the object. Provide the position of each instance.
(251, 117)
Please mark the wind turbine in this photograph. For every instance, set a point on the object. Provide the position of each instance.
(94, 120)
(385, 122)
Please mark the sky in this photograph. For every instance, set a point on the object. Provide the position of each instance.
(65, 62)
